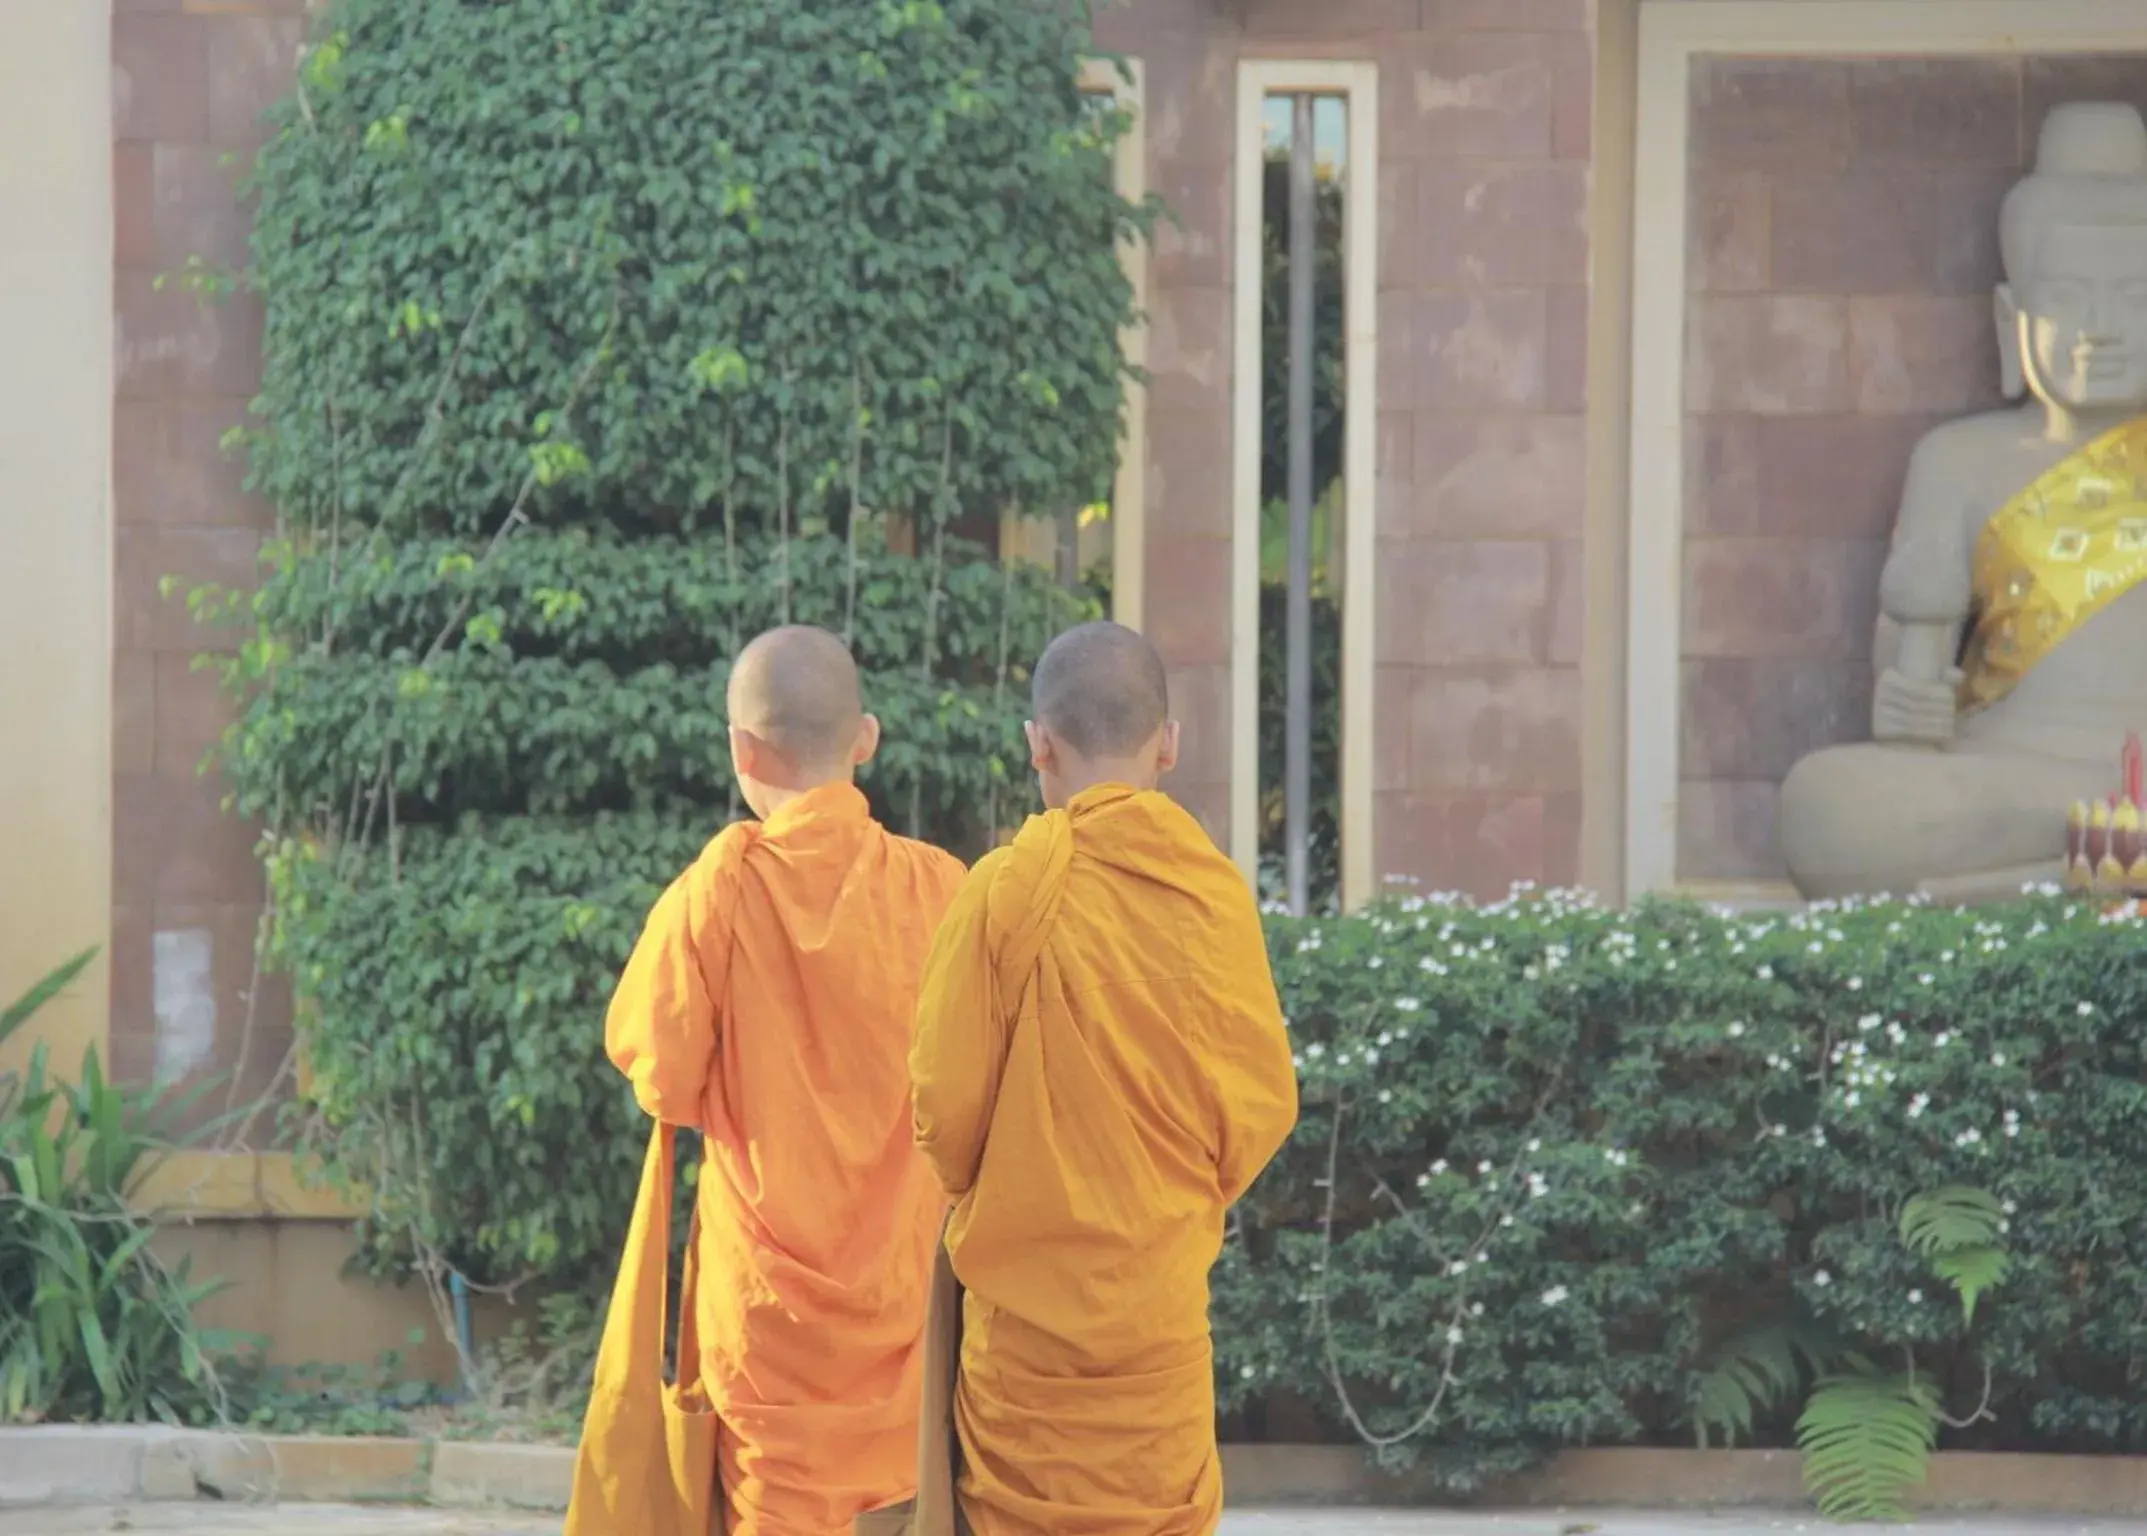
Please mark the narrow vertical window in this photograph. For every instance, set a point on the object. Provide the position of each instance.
(1301, 662)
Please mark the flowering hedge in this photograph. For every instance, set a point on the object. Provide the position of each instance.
(1564, 1170)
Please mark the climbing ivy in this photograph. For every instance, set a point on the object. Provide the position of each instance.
(599, 337)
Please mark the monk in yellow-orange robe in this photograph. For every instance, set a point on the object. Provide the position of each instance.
(769, 1005)
(1101, 1069)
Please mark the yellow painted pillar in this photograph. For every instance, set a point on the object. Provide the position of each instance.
(55, 509)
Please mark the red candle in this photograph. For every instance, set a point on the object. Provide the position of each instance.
(2135, 770)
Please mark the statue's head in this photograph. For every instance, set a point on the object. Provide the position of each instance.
(2072, 311)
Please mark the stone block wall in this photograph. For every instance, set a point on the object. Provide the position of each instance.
(1842, 232)
(1485, 109)
(189, 81)
(1484, 143)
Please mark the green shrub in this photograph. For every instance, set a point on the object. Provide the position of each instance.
(1640, 1176)
(93, 1326)
(599, 338)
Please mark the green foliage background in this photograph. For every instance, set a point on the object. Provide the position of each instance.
(1584, 1159)
(599, 338)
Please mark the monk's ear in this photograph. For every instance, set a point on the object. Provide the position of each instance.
(1167, 748)
(750, 756)
(2005, 314)
(1040, 753)
(868, 741)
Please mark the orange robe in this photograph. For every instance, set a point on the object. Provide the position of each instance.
(769, 1005)
(1101, 1069)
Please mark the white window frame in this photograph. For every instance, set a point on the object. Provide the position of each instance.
(1357, 82)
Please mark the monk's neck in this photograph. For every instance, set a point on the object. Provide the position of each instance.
(769, 801)
(1075, 788)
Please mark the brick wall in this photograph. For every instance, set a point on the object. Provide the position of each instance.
(1485, 112)
(190, 78)
(1843, 247)
(1482, 311)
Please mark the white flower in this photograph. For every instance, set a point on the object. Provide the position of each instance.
(1869, 1022)
(1849, 1099)
(1483, 1167)
(1998, 1059)
(1915, 1298)
(1736, 1031)
(1477, 1310)
(1457, 1268)
(1555, 1296)
(1423, 1181)
(1247, 1373)
(1403, 1005)
(1766, 973)
(1942, 1039)
(1315, 1050)
(2086, 1009)
(1822, 1279)
(1453, 1338)
(1505, 1221)
(1439, 1166)
(1374, 963)
(1385, 1097)
(1535, 1145)
(1856, 983)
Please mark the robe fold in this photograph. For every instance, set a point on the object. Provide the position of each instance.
(769, 1005)
(1100, 1070)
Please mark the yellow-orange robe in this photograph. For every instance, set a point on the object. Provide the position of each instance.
(769, 1005)
(1101, 1069)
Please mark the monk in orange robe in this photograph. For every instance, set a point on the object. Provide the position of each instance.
(1101, 1069)
(769, 1006)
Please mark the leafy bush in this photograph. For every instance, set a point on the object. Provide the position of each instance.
(1570, 1176)
(599, 338)
(92, 1325)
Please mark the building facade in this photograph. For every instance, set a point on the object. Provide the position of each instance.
(1647, 301)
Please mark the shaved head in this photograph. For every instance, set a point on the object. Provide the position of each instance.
(796, 689)
(1100, 689)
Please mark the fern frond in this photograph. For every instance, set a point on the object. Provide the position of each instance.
(1947, 1220)
(1972, 1271)
(1753, 1374)
(1867, 1440)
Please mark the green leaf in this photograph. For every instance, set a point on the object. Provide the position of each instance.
(1867, 1440)
(1751, 1375)
(1951, 1218)
(1972, 1272)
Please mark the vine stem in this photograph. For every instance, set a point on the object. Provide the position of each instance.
(782, 495)
(941, 514)
(998, 693)
(730, 563)
(1322, 1304)
(857, 510)
(517, 517)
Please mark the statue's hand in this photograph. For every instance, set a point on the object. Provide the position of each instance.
(1914, 710)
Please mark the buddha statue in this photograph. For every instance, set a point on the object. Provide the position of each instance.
(2012, 647)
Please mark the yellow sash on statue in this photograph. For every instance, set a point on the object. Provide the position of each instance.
(2056, 555)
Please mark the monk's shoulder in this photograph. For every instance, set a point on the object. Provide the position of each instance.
(722, 856)
(932, 865)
